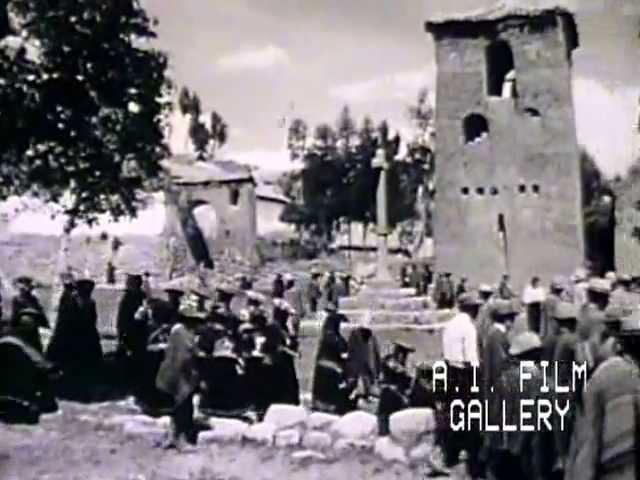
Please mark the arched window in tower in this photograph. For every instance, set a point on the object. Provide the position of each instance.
(234, 196)
(475, 127)
(501, 73)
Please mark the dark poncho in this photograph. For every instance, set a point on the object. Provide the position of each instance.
(24, 388)
(363, 362)
(329, 392)
(130, 334)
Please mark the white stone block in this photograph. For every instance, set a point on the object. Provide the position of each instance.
(286, 416)
(390, 451)
(287, 438)
(315, 440)
(356, 425)
(137, 430)
(347, 445)
(261, 433)
(223, 430)
(308, 456)
(321, 421)
(407, 426)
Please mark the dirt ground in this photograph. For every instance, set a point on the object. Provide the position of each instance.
(74, 444)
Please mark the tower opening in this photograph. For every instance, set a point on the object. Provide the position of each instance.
(501, 75)
(475, 127)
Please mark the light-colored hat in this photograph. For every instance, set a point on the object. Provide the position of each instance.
(579, 275)
(630, 325)
(468, 300)
(255, 296)
(366, 319)
(525, 342)
(558, 282)
(565, 311)
(504, 308)
(599, 285)
(485, 288)
(611, 276)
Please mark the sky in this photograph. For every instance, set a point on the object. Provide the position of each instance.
(255, 61)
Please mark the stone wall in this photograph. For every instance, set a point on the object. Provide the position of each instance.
(307, 436)
(236, 223)
(526, 169)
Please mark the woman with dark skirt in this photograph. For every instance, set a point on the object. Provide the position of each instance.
(75, 346)
(331, 389)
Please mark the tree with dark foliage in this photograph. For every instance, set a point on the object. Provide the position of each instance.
(82, 104)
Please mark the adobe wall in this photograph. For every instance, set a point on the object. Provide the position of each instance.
(236, 223)
(545, 234)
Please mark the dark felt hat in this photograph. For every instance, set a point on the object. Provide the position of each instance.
(405, 347)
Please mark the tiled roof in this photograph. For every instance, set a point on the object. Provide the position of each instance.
(185, 169)
(271, 192)
(499, 11)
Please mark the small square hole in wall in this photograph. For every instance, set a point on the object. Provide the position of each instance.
(522, 188)
(494, 191)
(464, 191)
(480, 191)
(535, 188)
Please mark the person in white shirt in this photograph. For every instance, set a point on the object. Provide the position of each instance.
(460, 351)
(533, 298)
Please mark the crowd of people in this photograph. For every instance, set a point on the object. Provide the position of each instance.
(236, 349)
(583, 320)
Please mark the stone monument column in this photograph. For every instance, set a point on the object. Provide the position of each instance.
(383, 275)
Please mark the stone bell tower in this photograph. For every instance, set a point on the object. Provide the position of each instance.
(508, 184)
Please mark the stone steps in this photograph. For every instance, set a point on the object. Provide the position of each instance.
(386, 292)
(410, 304)
(390, 319)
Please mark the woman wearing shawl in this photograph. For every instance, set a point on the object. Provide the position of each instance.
(331, 390)
(363, 362)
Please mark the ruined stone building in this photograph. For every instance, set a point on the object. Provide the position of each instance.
(508, 196)
(210, 206)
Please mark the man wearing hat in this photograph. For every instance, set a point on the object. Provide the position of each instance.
(26, 300)
(621, 295)
(277, 289)
(460, 352)
(564, 356)
(495, 351)
(553, 298)
(516, 454)
(313, 291)
(395, 384)
(293, 295)
(444, 294)
(178, 375)
(605, 440)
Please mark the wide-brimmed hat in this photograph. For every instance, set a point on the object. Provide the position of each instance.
(630, 325)
(615, 313)
(624, 278)
(30, 313)
(525, 342)
(255, 298)
(565, 311)
(558, 282)
(402, 346)
(485, 288)
(599, 285)
(24, 281)
(85, 284)
(504, 309)
(611, 276)
(331, 307)
(468, 300)
(579, 275)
